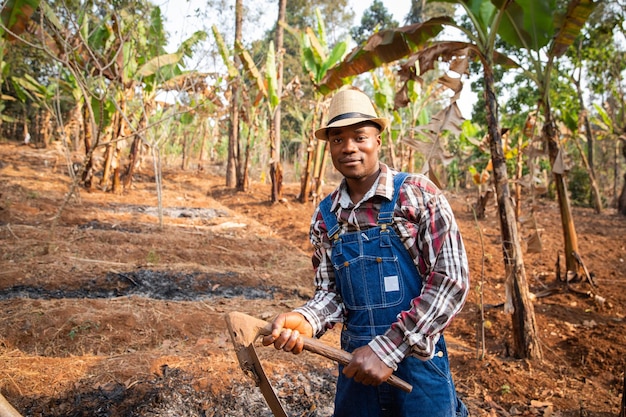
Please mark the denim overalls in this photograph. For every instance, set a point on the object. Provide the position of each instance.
(377, 279)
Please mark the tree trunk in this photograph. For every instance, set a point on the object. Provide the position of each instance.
(276, 171)
(392, 154)
(26, 133)
(135, 151)
(232, 166)
(89, 148)
(622, 412)
(74, 126)
(246, 165)
(46, 119)
(203, 138)
(109, 153)
(595, 190)
(319, 183)
(307, 173)
(318, 173)
(134, 156)
(525, 339)
(113, 150)
(186, 151)
(305, 181)
(519, 172)
(550, 135)
(621, 203)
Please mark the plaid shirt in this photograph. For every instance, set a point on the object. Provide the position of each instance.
(425, 223)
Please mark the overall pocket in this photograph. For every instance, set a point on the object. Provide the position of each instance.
(370, 282)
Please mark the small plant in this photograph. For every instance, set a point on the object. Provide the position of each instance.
(505, 389)
(84, 327)
(153, 257)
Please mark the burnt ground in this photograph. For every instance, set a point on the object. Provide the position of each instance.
(108, 314)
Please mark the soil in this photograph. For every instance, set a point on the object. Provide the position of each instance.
(106, 312)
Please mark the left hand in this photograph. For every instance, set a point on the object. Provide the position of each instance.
(366, 367)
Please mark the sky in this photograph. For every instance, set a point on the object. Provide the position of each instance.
(181, 21)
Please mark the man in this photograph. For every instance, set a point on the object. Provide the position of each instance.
(391, 266)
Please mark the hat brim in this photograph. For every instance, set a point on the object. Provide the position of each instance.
(321, 133)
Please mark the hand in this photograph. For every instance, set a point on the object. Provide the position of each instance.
(287, 329)
(366, 367)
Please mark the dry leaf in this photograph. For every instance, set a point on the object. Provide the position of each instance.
(559, 164)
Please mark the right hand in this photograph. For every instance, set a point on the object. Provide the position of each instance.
(287, 329)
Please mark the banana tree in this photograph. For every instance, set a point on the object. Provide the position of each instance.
(405, 112)
(144, 64)
(611, 129)
(157, 71)
(14, 18)
(43, 98)
(250, 107)
(538, 29)
(317, 59)
(384, 98)
(275, 80)
(263, 92)
(266, 84)
(234, 165)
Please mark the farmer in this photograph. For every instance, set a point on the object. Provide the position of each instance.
(390, 266)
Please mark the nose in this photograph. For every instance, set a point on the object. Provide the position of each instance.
(349, 146)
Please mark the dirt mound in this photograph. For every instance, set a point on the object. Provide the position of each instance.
(109, 314)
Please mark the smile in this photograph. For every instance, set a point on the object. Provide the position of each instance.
(350, 161)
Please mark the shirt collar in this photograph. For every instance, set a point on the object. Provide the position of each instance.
(383, 187)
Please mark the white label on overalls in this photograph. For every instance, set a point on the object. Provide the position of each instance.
(392, 283)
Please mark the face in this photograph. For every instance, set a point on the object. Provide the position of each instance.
(354, 149)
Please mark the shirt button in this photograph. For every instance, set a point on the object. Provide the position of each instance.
(440, 354)
(379, 260)
(346, 263)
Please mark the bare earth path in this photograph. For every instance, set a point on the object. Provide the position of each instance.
(110, 315)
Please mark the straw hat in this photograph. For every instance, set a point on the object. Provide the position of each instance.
(349, 107)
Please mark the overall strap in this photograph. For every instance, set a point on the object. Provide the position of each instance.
(332, 226)
(385, 215)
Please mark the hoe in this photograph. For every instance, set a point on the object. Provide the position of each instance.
(245, 330)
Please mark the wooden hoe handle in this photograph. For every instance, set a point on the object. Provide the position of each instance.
(340, 356)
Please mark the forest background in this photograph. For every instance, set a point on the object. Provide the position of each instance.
(139, 79)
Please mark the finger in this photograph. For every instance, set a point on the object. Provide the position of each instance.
(350, 370)
(282, 340)
(292, 342)
(278, 325)
(268, 340)
(299, 346)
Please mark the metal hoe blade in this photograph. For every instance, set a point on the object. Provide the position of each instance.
(244, 330)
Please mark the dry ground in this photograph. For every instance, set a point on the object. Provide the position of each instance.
(108, 314)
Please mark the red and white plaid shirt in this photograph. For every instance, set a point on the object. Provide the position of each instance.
(425, 223)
